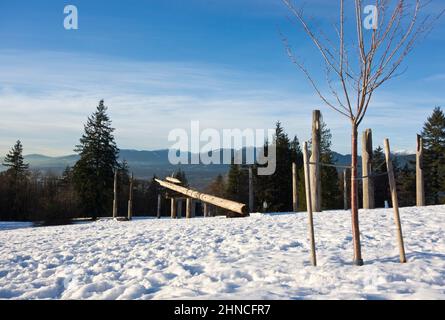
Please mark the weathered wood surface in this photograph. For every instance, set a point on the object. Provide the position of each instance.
(315, 160)
(173, 208)
(420, 184)
(173, 180)
(188, 208)
(130, 199)
(309, 204)
(368, 183)
(115, 195)
(294, 187)
(206, 198)
(395, 202)
(158, 213)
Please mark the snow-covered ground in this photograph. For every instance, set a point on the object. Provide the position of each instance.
(260, 257)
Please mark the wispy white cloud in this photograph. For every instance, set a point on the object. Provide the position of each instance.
(45, 97)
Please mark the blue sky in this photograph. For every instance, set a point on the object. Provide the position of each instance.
(161, 64)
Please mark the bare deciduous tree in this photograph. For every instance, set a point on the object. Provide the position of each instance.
(359, 61)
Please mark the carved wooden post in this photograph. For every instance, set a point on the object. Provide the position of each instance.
(368, 182)
(130, 199)
(420, 185)
(309, 204)
(315, 160)
(158, 213)
(188, 208)
(115, 195)
(294, 187)
(345, 189)
(173, 208)
(395, 202)
(250, 189)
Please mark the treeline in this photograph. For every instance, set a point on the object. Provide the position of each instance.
(86, 189)
(83, 191)
(274, 193)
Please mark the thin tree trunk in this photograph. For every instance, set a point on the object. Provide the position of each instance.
(354, 198)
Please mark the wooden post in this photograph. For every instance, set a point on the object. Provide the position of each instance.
(368, 183)
(205, 209)
(294, 187)
(315, 162)
(158, 213)
(130, 199)
(115, 195)
(345, 189)
(309, 204)
(188, 208)
(179, 208)
(420, 185)
(173, 208)
(395, 202)
(250, 189)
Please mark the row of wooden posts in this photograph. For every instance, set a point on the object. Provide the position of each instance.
(130, 198)
(313, 186)
(367, 172)
(176, 202)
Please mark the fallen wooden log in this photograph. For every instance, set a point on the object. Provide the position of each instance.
(233, 206)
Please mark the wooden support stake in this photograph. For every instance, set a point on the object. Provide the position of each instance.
(250, 189)
(420, 184)
(395, 202)
(294, 187)
(205, 209)
(345, 190)
(158, 213)
(115, 195)
(309, 204)
(368, 183)
(173, 208)
(315, 160)
(130, 199)
(188, 208)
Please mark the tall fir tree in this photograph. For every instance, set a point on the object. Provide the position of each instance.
(94, 172)
(237, 183)
(276, 189)
(16, 174)
(15, 162)
(433, 134)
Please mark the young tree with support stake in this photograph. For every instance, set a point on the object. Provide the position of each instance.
(355, 69)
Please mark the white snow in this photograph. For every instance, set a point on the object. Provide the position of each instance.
(260, 257)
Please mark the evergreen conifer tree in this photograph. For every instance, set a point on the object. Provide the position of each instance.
(381, 184)
(15, 163)
(433, 134)
(94, 172)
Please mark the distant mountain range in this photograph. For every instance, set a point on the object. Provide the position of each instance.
(145, 164)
